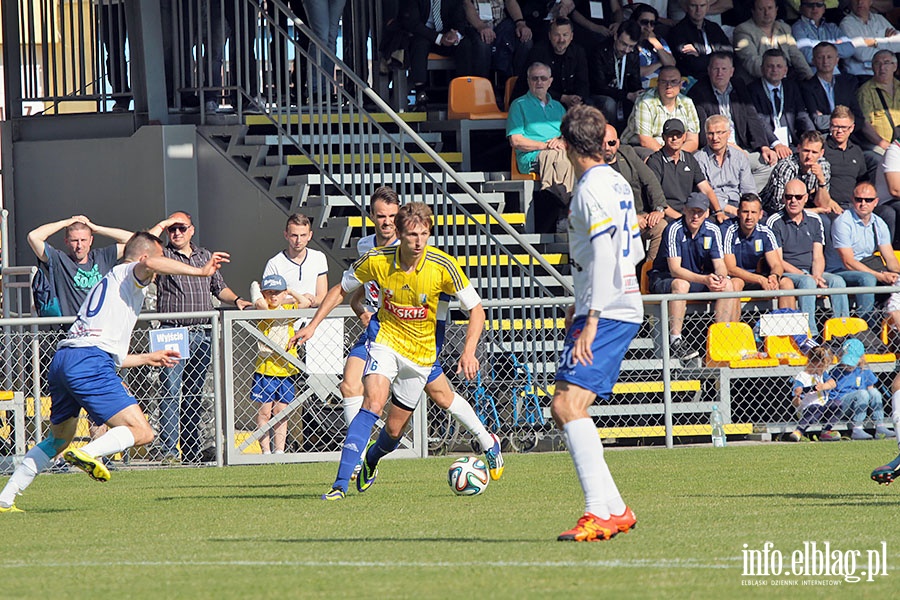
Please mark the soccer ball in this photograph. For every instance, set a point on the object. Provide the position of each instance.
(468, 476)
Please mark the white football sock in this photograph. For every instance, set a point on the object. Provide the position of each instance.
(35, 461)
(351, 407)
(117, 439)
(895, 415)
(463, 412)
(601, 496)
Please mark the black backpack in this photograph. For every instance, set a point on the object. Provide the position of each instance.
(43, 292)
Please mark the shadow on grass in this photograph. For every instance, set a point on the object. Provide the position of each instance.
(859, 498)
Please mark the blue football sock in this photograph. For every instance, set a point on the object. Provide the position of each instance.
(357, 437)
(383, 446)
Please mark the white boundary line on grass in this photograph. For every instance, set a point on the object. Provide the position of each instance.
(621, 563)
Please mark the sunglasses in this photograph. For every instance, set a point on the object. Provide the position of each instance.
(611, 143)
(865, 200)
(539, 78)
(670, 82)
(794, 196)
(647, 22)
(178, 228)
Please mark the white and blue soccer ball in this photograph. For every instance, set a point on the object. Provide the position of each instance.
(468, 476)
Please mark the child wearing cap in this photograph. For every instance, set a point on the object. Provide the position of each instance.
(273, 381)
(855, 388)
(810, 388)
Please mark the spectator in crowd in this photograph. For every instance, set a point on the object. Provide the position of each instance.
(691, 259)
(656, 106)
(533, 131)
(855, 388)
(694, 38)
(870, 33)
(800, 239)
(762, 32)
(879, 98)
(616, 73)
(811, 398)
(780, 104)
(595, 21)
(80, 267)
(274, 379)
(500, 40)
(181, 405)
(751, 252)
(848, 165)
(324, 19)
(726, 167)
(568, 64)
(826, 90)
(540, 15)
(653, 51)
(679, 173)
(721, 94)
(304, 269)
(649, 200)
(809, 166)
(811, 28)
(887, 182)
(436, 31)
(857, 234)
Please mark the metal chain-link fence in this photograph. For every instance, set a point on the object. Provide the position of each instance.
(664, 393)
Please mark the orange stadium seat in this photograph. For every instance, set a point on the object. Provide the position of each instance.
(508, 91)
(472, 98)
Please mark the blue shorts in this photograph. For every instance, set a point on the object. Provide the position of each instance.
(610, 344)
(267, 388)
(360, 350)
(85, 378)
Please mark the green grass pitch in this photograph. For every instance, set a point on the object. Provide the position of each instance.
(251, 532)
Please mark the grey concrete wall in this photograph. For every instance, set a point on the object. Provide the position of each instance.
(134, 182)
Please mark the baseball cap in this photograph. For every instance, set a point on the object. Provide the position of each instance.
(851, 351)
(273, 282)
(697, 200)
(672, 126)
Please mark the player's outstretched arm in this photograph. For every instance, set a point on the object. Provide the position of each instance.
(166, 266)
(334, 297)
(468, 361)
(160, 358)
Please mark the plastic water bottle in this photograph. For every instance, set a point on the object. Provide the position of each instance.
(718, 428)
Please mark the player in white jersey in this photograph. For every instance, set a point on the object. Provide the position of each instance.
(383, 206)
(83, 371)
(604, 247)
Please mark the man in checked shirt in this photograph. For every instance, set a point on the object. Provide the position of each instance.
(180, 406)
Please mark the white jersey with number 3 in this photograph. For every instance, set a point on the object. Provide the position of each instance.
(604, 246)
(107, 316)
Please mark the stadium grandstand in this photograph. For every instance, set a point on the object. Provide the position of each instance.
(241, 114)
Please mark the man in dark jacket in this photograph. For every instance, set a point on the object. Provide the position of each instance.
(694, 38)
(568, 64)
(616, 73)
(721, 94)
(779, 102)
(433, 33)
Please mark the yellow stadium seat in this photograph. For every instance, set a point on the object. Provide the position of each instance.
(784, 349)
(472, 98)
(844, 326)
(733, 345)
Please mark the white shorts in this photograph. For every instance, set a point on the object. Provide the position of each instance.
(407, 378)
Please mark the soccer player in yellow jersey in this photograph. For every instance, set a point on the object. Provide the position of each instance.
(411, 276)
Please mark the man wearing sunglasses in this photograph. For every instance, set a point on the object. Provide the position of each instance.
(181, 405)
(811, 28)
(801, 240)
(857, 234)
